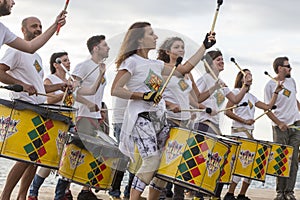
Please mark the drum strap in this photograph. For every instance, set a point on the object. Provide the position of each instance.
(242, 129)
(213, 127)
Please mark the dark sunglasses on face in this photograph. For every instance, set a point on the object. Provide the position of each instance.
(287, 66)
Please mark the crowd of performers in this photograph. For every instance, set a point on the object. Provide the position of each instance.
(151, 97)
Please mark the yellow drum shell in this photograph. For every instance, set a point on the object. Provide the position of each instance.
(82, 166)
(252, 159)
(33, 134)
(193, 160)
(280, 160)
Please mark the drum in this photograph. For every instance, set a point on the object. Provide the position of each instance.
(91, 161)
(231, 158)
(32, 133)
(193, 160)
(252, 159)
(280, 160)
(61, 109)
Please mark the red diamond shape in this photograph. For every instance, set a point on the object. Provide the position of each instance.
(102, 167)
(42, 151)
(203, 146)
(200, 159)
(49, 124)
(195, 172)
(45, 138)
(100, 177)
(283, 168)
(284, 160)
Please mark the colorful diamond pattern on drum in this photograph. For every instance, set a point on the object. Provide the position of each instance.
(192, 158)
(261, 161)
(95, 175)
(281, 160)
(39, 137)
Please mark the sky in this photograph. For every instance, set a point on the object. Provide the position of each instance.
(253, 32)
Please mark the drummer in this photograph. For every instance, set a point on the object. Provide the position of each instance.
(89, 116)
(210, 122)
(177, 95)
(17, 67)
(58, 75)
(243, 125)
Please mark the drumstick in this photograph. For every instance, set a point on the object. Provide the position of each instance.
(47, 95)
(101, 62)
(207, 110)
(210, 69)
(233, 60)
(220, 2)
(232, 107)
(65, 9)
(58, 61)
(274, 107)
(266, 73)
(178, 61)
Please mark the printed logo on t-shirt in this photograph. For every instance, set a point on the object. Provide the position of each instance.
(250, 104)
(183, 85)
(220, 98)
(37, 66)
(103, 80)
(153, 81)
(286, 92)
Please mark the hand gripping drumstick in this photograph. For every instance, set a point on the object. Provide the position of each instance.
(58, 61)
(178, 61)
(233, 60)
(266, 73)
(235, 106)
(220, 2)
(273, 107)
(59, 25)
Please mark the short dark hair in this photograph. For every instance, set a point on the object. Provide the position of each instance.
(93, 41)
(279, 62)
(53, 58)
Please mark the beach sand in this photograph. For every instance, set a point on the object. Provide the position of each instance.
(47, 193)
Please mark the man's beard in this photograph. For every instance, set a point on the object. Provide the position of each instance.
(4, 10)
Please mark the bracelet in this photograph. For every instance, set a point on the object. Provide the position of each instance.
(275, 92)
(246, 85)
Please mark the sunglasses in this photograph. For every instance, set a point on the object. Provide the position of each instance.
(287, 66)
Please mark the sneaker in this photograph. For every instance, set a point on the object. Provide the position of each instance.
(242, 197)
(86, 195)
(32, 198)
(290, 196)
(229, 196)
(68, 195)
(280, 196)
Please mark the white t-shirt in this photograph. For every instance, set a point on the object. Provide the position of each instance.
(215, 101)
(245, 112)
(145, 77)
(81, 70)
(177, 92)
(6, 36)
(287, 109)
(55, 80)
(28, 69)
(119, 105)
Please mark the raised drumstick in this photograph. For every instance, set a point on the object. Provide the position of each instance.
(235, 106)
(65, 9)
(233, 60)
(220, 2)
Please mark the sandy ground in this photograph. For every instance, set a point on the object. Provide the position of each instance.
(47, 193)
